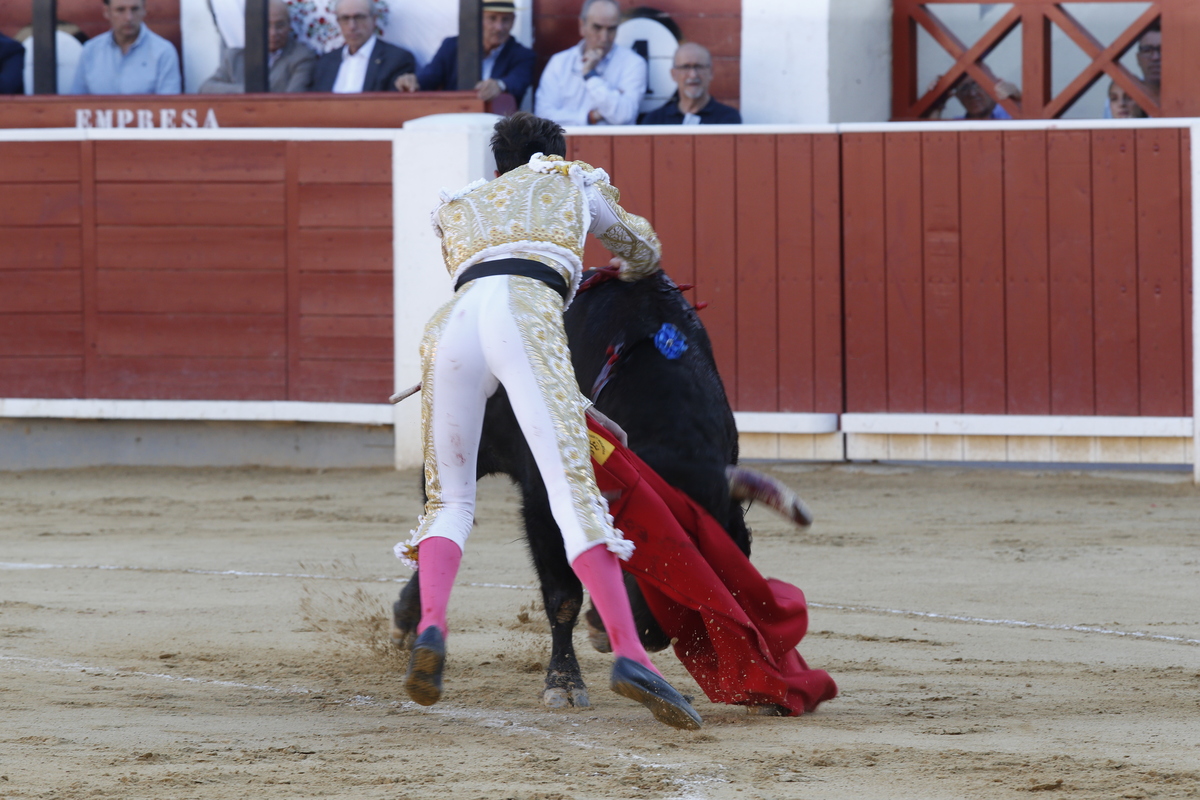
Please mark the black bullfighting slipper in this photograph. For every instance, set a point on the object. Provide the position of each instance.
(630, 679)
(424, 679)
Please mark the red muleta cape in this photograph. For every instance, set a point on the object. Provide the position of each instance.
(735, 631)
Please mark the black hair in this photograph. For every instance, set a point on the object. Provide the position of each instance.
(518, 137)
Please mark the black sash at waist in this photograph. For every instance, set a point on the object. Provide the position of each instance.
(515, 266)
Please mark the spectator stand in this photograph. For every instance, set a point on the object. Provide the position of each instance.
(1036, 22)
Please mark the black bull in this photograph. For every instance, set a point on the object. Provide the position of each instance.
(678, 419)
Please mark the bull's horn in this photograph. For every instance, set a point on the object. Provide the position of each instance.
(748, 484)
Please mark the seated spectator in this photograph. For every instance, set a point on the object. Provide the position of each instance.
(979, 104)
(290, 63)
(68, 47)
(691, 104)
(1149, 59)
(128, 59)
(1121, 105)
(507, 64)
(12, 66)
(597, 81)
(365, 63)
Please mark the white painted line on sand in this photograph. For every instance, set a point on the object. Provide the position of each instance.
(236, 573)
(1011, 623)
(510, 721)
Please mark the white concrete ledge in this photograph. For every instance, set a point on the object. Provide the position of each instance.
(772, 422)
(199, 410)
(1017, 425)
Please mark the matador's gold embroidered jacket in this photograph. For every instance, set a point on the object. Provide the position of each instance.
(544, 211)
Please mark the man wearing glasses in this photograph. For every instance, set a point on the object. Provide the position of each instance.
(1149, 59)
(365, 63)
(692, 104)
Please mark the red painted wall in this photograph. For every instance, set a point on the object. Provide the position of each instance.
(985, 272)
(196, 270)
(1018, 272)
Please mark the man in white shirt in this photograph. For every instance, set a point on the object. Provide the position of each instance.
(365, 63)
(597, 81)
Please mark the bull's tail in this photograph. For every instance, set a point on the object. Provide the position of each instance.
(749, 484)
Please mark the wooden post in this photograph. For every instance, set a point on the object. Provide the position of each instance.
(257, 70)
(45, 47)
(1180, 58)
(1035, 78)
(470, 44)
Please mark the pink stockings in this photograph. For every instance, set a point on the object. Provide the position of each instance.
(438, 558)
(596, 567)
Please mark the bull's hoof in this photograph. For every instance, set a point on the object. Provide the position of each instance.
(597, 636)
(402, 639)
(769, 710)
(424, 679)
(631, 679)
(579, 697)
(564, 690)
(556, 697)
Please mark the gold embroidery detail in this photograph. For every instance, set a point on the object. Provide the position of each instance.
(520, 204)
(433, 485)
(538, 313)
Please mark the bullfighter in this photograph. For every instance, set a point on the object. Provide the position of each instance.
(514, 247)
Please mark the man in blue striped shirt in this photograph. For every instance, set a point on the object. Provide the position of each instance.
(129, 59)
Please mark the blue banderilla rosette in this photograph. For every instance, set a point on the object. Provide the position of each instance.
(670, 341)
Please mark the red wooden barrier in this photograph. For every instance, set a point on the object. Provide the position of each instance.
(1056, 284)
(1042, 272)
(753, 222)
(196, 270)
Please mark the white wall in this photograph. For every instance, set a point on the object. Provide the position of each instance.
(785, 61)
(453, 152)
(201, 43)
(808, 62)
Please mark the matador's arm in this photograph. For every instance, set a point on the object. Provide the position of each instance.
(625, 235)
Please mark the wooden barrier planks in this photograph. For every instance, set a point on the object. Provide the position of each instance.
(41, 289)
(1160, 278)
(938, 271)
(1069, 196)
(903, 273)
(1115, 266)
(984, 340)
(340, 271)
(864, 204)
(167, 328)
(299, 110)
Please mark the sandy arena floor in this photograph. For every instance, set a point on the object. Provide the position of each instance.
(222, 634)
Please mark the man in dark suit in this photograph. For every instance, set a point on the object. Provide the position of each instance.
(365, 63)
(291, 63)
(507, 64)
(12, 66)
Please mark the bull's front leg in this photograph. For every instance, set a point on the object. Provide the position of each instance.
(406, 613)
(562, 596)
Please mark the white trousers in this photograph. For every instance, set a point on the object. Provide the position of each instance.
(506, 329)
